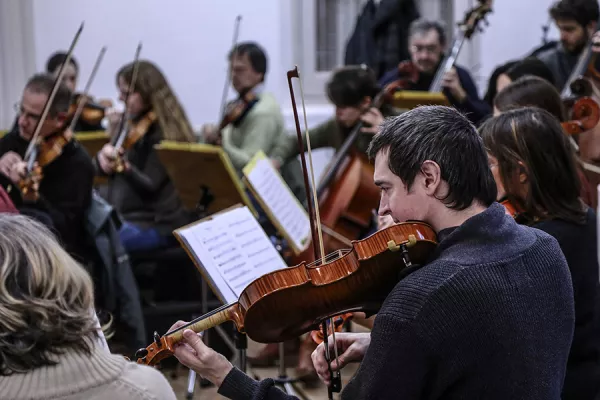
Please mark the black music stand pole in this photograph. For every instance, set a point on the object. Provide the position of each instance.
(241, 343)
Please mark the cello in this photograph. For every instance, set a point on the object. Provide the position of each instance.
(284, 304)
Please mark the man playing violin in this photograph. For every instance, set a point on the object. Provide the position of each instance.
(254, 121)
(533, 163)
(65, 190)
(427, 43)
(577, 20)
(490, 315)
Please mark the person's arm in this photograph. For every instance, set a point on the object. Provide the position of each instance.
(239, 386)
(151, 178)
(320, 136)
(475, 108)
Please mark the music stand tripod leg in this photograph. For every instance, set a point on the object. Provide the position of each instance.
(283, 380)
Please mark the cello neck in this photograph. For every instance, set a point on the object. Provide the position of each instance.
(578, 71)
(447, 64)
(345, 148)
(209, 320)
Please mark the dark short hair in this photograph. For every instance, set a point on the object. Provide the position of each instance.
(531, 91)
(581, 11)
(423, 25)
(256, 55)
(535, 137)
(445, 136)
(57, 59)
(492, 89)
(43, 83)
(530, 66)
(351, 84)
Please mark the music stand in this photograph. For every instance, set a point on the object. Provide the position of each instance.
(409, 99)
(202, 171)
(93, 142)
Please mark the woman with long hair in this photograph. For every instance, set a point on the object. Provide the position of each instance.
(533, 164)
(50, 341)
(533, 91)
(143, 192)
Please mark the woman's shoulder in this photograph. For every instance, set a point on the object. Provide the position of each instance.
(144, 382)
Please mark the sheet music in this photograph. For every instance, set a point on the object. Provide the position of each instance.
(282, 203)
(233, 249)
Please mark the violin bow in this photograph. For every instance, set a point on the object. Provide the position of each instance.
(121, 135)
(82, 102)
(236, 33)
(315, 219)
(33, 143)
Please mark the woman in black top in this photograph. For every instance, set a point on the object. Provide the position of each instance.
(143, 192)
(534, 165)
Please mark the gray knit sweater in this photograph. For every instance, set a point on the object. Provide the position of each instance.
(78, 376)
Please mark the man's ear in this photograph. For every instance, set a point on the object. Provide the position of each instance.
(432, 176)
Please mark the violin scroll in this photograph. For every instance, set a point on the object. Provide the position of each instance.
(585, 114)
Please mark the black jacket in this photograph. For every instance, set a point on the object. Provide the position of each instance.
(65, 192)
(380, 37)
(145, 195)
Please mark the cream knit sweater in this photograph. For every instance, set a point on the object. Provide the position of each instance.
(77, 376)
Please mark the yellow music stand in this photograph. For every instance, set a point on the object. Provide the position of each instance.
(201, 170)
(409, 99)
(92, 141)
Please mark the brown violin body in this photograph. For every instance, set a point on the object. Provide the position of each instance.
(284, 304)
(138, 129)
(47, 151)
(92, 113)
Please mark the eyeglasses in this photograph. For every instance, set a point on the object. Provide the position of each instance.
(21, 111)
(431, 49)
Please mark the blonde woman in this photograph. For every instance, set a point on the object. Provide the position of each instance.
(143, 192)
(50, 346)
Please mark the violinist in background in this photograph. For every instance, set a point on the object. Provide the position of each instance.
(256, 122)
(489, 316)
(70, 79)
(533, 163)
(65, 190)
(427, 43)
(143, 192)
(531, 91)
(576, 20)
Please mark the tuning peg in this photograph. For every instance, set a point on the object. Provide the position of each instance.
(141, 353)
(157, 338)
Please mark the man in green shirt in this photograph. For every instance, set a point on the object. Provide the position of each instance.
(260, 126)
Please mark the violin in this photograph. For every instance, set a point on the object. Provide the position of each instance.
(43, 151)
(236, 110)
(92, 113)
(131, 134)
(287, 303)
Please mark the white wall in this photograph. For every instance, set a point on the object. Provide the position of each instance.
(515, 30)
(187, 39)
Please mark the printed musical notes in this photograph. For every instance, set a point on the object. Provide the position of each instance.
(233, 249)
(279, 202)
